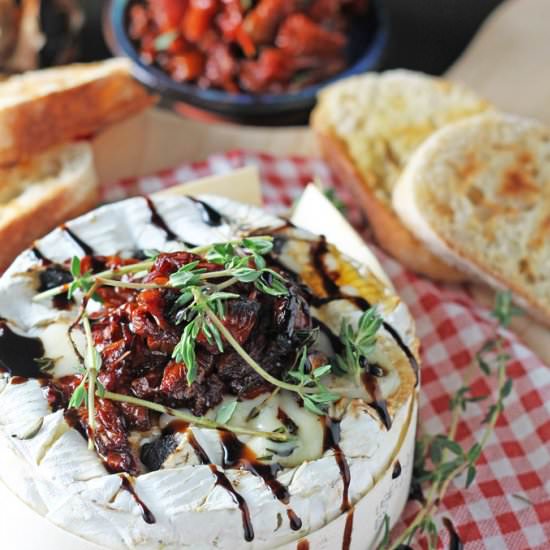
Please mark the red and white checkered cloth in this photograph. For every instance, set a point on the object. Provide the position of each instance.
(451, 328)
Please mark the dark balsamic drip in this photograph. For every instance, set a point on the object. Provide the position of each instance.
(454, 540)
(348, 531)
(176, 426)
(98, 263)
(404, 348)
(287, 422)
(416, 492)
(222, 481)
(335, 341)
(19, 354)
(237, 455)
(39, 256)
(303, 545)
(197, 447)
(379, 405)
(396, 470)
(210, 216)
(61, 301)
(181, 426)
(146, 514)
(157, 220)
(295, 521)
(86, 248)
(52, 277)
(331, 440)
(318, 251)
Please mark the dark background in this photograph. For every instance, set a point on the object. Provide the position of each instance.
(425, 35)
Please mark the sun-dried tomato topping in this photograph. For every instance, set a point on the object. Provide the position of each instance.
(136, 331)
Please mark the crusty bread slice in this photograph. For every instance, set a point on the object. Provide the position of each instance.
(478, 193)
(368, 126)
(39, 194)
(41, 109)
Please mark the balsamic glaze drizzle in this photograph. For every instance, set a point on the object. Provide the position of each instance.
(52, 276)
(286, 421)
(86, 248)
(396, 470)
(146, 514)
(233, 451)
(19, 354)
(39, 256)
(197, 447)
(454, 540)
(158, 221)
(318, 251)
(331, 441)
(222, 481)
(210, 216)
(381, 408)
(237, 455)
(295, 521)
(348, 530)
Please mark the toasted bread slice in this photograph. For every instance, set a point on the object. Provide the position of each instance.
(42, 109)
(368, 126)
(478, 193)
(39, 194)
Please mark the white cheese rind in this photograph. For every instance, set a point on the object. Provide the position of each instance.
(64, 481)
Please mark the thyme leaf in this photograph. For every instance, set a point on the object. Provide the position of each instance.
(226, 412)
(358, 343)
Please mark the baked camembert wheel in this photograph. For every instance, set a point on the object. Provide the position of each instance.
(185, 373)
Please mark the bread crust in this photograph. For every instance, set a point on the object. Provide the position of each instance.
(389, 231)
(69, 112)
(457, 251)
(73, 191)
(39, 220)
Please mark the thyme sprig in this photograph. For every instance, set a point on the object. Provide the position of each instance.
(252, 248)
(439, 459)
(312, 393)
(318, 401)
(90, 387)
(359, 343)
(201, 305)
(81, 281)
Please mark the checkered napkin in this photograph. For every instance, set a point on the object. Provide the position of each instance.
(508, 505)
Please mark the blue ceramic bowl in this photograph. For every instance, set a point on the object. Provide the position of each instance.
(366, 44)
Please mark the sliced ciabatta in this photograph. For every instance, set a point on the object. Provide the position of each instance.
(41, 109)
(39, 194)
(368, 127)
(478, 194)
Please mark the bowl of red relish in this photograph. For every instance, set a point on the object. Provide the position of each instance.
(247, 60)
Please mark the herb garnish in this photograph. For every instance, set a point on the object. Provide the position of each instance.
(318, 401)
(201, 306)
(358, 343)
(439, 459)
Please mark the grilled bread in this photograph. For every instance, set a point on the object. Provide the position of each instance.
(41, 109)
(38, 194)
(368, 126)
(478, 194)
